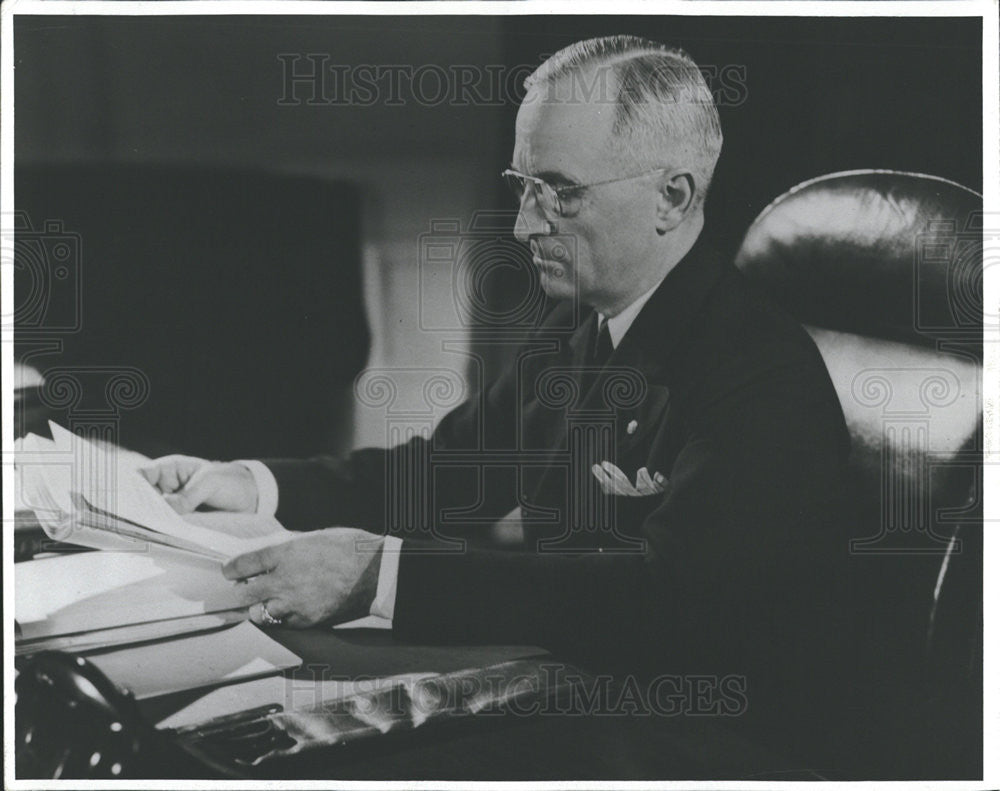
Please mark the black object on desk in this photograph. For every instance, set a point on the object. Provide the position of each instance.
(72, 722)
(30, 539)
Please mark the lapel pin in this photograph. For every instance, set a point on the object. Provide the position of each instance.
(632, 426)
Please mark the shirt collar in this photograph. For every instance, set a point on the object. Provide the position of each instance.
(662, 321)
(619, 323)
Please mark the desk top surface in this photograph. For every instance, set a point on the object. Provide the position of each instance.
(540, 744)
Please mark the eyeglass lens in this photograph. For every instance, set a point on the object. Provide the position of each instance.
(543, 193)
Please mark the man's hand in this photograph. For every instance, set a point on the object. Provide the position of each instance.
(187, 483)
(326, 575)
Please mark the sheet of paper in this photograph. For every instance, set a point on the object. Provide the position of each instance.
(82, 591)
(43, 479)
(237, 652)
(53, 476)
(250, 530)
(368, 622)
(99, 639)
(113, 484)
(244, 526)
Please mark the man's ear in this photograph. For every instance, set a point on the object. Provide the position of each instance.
(676, 200)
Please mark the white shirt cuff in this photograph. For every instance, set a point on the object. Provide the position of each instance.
(384, 605)
(267, 486)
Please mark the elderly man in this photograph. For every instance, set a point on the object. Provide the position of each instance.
(674, 459)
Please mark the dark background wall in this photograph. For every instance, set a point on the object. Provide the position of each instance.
(799, 97)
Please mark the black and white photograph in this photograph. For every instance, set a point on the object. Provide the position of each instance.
(507, 392)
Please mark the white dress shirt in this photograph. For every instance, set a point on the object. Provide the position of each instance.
(384, 604)
(618, 324)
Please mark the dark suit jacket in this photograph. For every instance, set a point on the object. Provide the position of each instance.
(734, 569)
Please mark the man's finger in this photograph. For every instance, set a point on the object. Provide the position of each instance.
(255, 612)
(170, 473)
(164, 475)
(251, 564)
(196, 491)
(162, 478)
(644, 483)
(171, 478)
(275, 608)
(253, 591)
(621, 483)
(607, 486)
(181, 502)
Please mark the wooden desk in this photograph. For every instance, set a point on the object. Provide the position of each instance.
(511, 746)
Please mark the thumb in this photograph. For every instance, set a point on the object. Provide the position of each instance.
(197, 490)
(151, 474)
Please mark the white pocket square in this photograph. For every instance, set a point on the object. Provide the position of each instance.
(614, 481)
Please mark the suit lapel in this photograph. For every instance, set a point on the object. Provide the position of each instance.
(657, 332)
(667, 317)
(632, 386)
(579, 341)
(571, 361)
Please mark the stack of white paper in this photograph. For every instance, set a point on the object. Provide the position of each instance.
(86, 591)
(158, 574)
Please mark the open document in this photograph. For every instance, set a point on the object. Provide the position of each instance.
(93, 495)
(158, 574)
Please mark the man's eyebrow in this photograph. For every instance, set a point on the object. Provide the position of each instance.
(554, 175)
(556, 178)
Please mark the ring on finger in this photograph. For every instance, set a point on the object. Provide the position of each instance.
(266, 616)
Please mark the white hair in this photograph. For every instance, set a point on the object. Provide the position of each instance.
(664, 112)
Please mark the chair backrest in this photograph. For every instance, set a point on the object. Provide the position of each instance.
(200, 310)
(884, 269)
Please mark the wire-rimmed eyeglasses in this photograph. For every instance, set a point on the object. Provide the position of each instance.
(560, 201)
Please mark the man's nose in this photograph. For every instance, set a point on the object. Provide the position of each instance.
(530, 220)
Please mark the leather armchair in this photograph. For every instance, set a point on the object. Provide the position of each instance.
(884, 269)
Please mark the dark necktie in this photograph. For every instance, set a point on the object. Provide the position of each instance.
(597, 357)
(603, 347)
